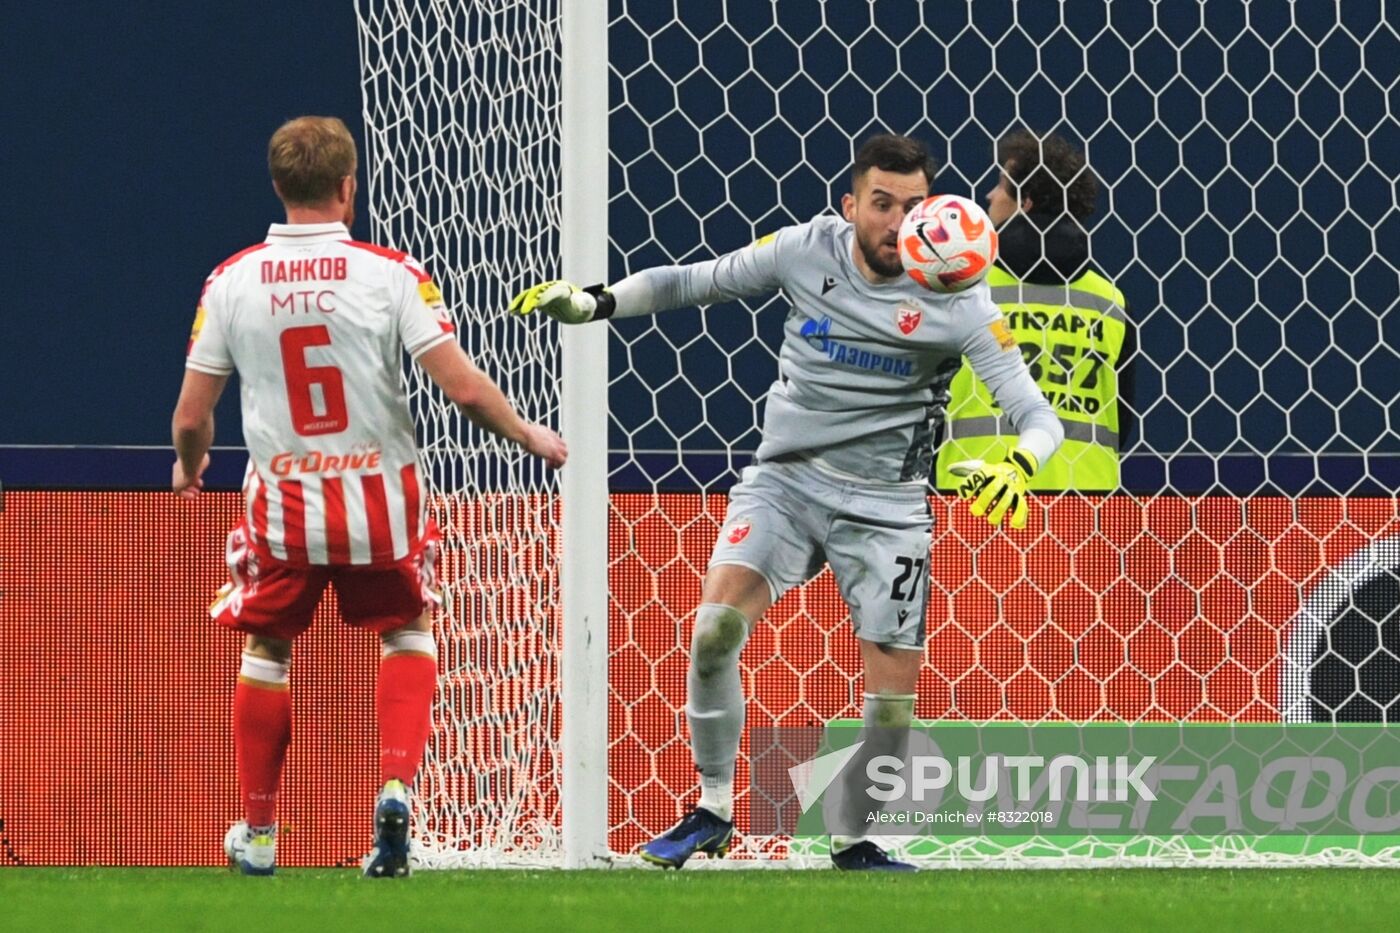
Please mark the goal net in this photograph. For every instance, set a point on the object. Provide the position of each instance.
(1245, 573)
(462, 153)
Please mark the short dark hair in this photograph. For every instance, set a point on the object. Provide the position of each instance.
(1050, 171)
(891, 153)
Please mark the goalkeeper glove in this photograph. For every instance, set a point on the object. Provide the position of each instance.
(565, 302)
(1000, 487)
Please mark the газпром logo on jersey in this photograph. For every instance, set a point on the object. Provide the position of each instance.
(818, 335)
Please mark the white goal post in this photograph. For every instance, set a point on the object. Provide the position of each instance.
(583, 407)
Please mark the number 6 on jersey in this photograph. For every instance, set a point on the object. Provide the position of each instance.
(315, 394)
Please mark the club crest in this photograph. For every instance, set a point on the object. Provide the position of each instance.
(907, 319)
(738, 531)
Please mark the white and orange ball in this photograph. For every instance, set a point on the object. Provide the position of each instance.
(947, 243)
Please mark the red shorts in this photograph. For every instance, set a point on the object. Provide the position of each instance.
(268, 597)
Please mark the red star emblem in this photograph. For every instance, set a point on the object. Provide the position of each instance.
(738, 531)
(908, 319)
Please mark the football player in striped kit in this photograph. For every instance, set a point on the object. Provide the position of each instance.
(315, 324)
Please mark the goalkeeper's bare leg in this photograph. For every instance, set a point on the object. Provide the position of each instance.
(734, 598)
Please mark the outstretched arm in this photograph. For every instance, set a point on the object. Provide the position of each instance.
(485, 405)
(999, 490)
(753, 270)
(743, 273)
(997, 361)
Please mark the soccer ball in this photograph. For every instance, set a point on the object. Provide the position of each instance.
(947, 243)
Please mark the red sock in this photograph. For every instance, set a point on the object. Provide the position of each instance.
(262, 728)
(405, 699)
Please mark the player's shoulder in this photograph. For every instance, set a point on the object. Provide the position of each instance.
(812, 242)
(976, 312)
(396, 262)
(822, 229)
(393, 258)
(975, 301)
(235, 259)
(216, 281)
(383, 252)
(827, 225)
(972, 307)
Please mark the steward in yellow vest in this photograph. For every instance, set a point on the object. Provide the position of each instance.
(1071, 326)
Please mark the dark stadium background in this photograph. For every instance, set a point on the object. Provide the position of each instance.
(135, 146)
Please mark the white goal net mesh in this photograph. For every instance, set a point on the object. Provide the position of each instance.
(462, 127)
(1246, 154)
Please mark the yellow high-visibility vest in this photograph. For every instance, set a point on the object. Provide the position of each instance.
(1071, 337)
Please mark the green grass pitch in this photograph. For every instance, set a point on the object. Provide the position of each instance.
(641, 900)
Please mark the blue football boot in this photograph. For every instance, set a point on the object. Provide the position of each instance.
(698, 831)
(389, 857)
(867, 856)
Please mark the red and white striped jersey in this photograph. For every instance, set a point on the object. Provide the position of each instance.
(315, 324)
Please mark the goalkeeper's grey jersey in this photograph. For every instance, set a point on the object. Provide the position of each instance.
(864, 369)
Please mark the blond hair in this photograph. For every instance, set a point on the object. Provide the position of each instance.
(308, 156)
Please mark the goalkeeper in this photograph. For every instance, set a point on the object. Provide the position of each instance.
(842, 471)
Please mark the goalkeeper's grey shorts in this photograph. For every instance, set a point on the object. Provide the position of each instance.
(787, 519)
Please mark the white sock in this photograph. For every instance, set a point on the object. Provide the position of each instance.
(407, 642)
(717, 795)
(265, 671)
